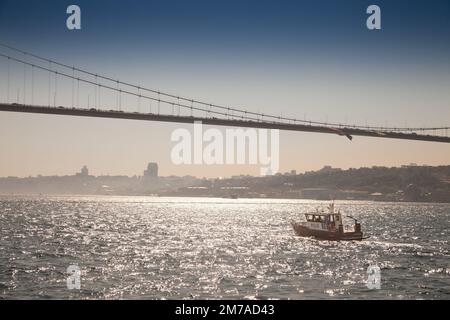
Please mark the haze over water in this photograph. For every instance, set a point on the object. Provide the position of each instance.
(167, 248)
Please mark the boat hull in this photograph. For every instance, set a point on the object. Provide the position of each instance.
(303, 231)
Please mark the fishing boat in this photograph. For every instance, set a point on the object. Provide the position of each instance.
(328, 226)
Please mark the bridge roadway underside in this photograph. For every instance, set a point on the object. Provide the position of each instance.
(343, 131)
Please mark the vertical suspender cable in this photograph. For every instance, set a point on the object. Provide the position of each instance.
(8, 88)
(120, 99)
(56, 88)
(24, 83)
(117, 95)
(73, 85)
(139, 99)
(49, 82)
(159, 101)
(78, 92)
(32, 84)
(95, 93)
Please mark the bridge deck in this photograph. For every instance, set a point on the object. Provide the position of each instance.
(344, 131)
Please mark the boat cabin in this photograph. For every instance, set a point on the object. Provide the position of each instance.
(330, 221)
(324, 221)
(324, 217)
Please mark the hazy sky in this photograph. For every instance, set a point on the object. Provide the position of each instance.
(306, 59)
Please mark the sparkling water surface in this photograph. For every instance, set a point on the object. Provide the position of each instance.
(211, 248)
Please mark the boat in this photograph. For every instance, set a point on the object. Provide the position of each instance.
(328, 226)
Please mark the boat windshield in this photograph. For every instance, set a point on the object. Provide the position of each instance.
(327, 218)
(315, 218)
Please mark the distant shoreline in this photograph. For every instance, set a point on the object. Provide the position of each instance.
(211, 197)
(417, 184)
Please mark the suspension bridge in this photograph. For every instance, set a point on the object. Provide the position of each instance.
(35, 84)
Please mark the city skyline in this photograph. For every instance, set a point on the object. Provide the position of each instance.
(147, 171)
(407, 183)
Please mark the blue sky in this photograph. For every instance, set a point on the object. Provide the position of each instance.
(232, 26)
(308, 59)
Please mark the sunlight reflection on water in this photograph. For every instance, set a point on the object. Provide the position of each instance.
(142, 247)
